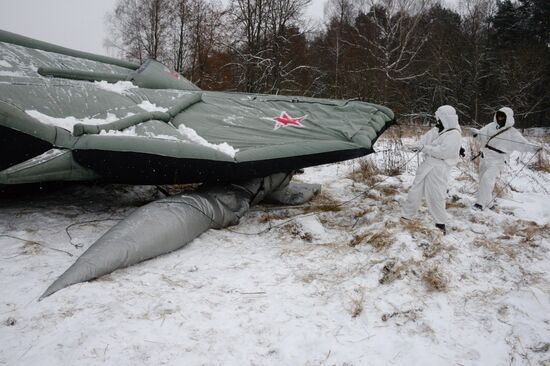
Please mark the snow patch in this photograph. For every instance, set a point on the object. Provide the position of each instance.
(5, 63)
(161, 136)
(120, 87)
(528, 206)
(233, 120)
(68, 123)
(151, 107)
(193, 136)
(12, 73)
(130, 131)
(312, 226)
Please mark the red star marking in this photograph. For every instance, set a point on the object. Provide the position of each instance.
(175, 74)
(285, 120)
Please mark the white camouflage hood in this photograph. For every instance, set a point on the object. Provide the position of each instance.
(448, 117)
(509, 117)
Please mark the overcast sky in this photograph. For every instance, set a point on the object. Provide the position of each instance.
(78, 24)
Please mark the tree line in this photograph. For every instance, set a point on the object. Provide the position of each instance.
(410, 55)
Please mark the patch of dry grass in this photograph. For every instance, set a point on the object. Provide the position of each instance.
(363, 212)
(527, 230)
(402, 316)
(379, 240)
(389, 191)
(296, 231)
(497, 248)
(367, 172)
(357, 302)
(435, 280)
(358, 239)
(542, 164)
(325, 207)
(469, 169)
(430, 250)
(31, 248)
(391, 164)
(393, 157)
(509, 230)
(371, 195)
(322, 202)
(393, 271)
(455, 202)
(501, 189)
(275, 215)
(417, 229)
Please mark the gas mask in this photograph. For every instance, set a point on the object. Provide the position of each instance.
(500, 117)
(439, 125)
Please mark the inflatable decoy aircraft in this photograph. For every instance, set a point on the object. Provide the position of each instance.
(67, 115)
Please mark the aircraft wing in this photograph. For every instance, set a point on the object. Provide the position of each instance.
(68, 115)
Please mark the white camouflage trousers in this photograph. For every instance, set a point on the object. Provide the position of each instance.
(489, 170)
(430, 182)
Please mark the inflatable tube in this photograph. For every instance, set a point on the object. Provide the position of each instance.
(81, 129)
(81, 75)
(170, 223)
(20, 40)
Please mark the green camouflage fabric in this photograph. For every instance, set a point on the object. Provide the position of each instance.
(66, 115)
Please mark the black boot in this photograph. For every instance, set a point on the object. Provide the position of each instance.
(477, 206)
(442, 228)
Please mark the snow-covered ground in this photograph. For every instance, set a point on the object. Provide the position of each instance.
(338, 284)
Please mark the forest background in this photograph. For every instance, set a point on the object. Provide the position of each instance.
(410, 55)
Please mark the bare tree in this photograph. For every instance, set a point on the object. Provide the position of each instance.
(341, 14)
(206, 34)
(396, 42)
(281, 19)
(249, 45)
(156, 26)
(125, 30)
(265, 34)
(441, 58)
(139, 28)
(181, 9)
(475, 55)
(408, 54)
